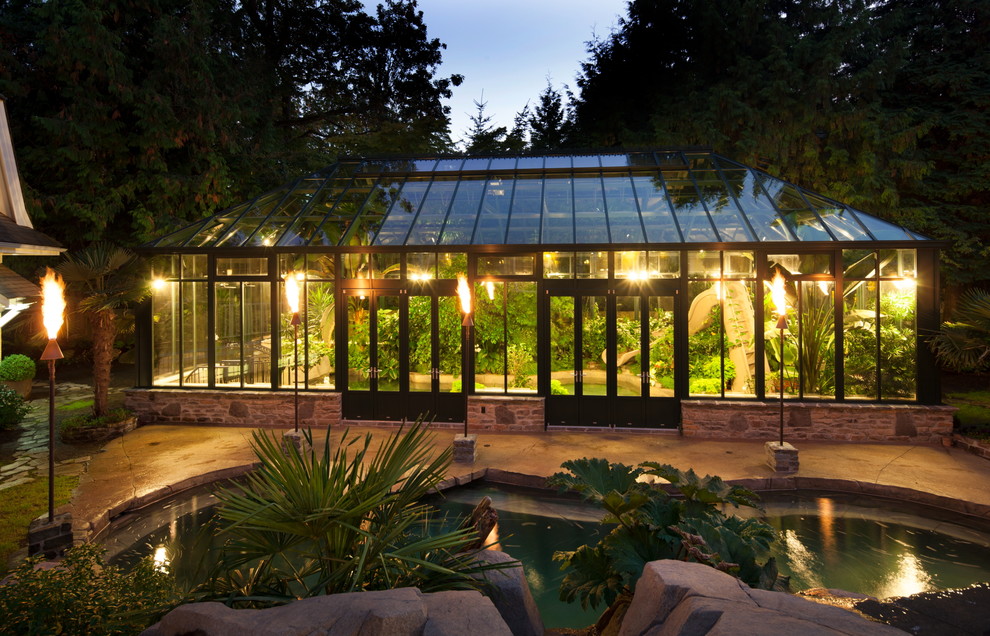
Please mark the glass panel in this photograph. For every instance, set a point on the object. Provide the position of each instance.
(341, 215)
(193, 266)
(740, 336)
(475, 163)
(817, 338)
(705, 339)
(227, 350)
(781, 349)
(358, 342)
(591, 265)
(898, 263)
(164, 266)
(898, 340)
(282, 216)
(802, 263)
(807, 226)
(558, 162)
(493, 219)
(661, 361)
(306, 228)
(558, 211)
(721, 206)
(590, 222)
(321, 266)
(518, 265)
(450, 265)
(450, 343)
(594, 343)
(843, 225)
(356, 265)
(433, 212)
(195, 338)
(562, 350)
(882, 230)
(859, 263)
(320, 335)
(242, 266)
(257, 334)
(242, 228)
(502, 163)
(624, 223)
(632, 265)
(527, 212)
(383, 199)
(402, 213)
(387, 333)
(463, 216)
(739, 265)
(420, 343)
(756, 206)
(449, 165)
(489, 337)
(530, 163)
(859, 339)
(291, 263)
(165, 335)
(661, 227)
(690, 213)
(520, 321)
(558, 264)
(628, 342)
(421, 266)
(386, 265)
(586, 161)
(704, 264)
(179, 237)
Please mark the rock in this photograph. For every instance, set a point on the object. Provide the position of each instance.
(512, 597)
(482, 520)
(678, 598)
(961, 611)
(401, 612)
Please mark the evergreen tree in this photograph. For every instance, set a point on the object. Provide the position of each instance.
(549, 123)
(483, 138)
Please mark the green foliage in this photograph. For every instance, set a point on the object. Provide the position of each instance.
(557, 388)
(17, 367)
(21, 504)
(13, 408)
(90, 420)
(325, 522)
(455, 386)
(964, 344)
(650, 524)
(84, 595)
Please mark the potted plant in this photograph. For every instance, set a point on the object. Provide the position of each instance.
(87, 428)
(17, 372)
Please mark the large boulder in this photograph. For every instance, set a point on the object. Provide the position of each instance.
(674, 598)
(511, 595)
(402, 612)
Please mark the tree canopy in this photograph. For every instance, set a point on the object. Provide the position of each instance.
(134, 116)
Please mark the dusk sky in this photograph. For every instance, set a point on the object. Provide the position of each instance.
(507, 48)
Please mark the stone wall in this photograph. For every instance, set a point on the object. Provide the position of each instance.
(505, 413)
(816, 420)
(256, 409)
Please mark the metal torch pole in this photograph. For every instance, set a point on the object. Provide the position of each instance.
(51, 440)
(782, 325)
(295, 355)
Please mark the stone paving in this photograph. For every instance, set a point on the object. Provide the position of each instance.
(30, 459)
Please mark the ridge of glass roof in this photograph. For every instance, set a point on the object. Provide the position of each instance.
(664, 196)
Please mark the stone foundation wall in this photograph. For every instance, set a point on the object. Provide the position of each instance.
(505, 413)
(824, 421)
(259, 409)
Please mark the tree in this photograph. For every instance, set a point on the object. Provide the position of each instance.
(964, 344)
(549, 123)
(483, 138)
(108, 280)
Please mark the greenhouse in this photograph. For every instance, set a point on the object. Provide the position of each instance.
(597, 290)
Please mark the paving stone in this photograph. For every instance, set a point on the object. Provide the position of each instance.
(16, 482)
(16, 471)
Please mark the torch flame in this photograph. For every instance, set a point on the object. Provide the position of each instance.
(464, 293)
(292, 292)
(778, 294)
(52, 302)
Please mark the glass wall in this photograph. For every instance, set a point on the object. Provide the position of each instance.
(505, 351)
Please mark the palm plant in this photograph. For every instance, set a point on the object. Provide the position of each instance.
(650, 524)
(964, 345)
(108, 280)
(314, 523)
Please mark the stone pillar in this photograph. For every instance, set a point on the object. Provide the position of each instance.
(782, 458)
(465, 448)
(295, 439)
(50, 538)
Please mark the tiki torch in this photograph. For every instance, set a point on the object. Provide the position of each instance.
(779, 296)
(52, 311)
(292, 297)
(464, 293)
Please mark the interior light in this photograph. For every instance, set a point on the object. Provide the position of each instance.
(158, 284)
(490, 286)
(905, 284)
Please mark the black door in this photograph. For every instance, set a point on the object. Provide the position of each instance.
(371, 384)
(434, 356)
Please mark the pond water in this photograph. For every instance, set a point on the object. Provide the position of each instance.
(868, 545)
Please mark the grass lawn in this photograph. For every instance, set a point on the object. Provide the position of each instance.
(22, 504)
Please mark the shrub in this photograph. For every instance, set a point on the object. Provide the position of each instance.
(557, 388)
(13, 408)
(84, 595)
(17, 367)
(90, 421)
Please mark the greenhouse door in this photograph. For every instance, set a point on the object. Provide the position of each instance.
(403, 356)
(599, 374)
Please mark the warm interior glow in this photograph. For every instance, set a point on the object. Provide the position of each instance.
(52, 303)
(778, 294)
(490, 286)
(158, 284)
(464, 293)
(292, 292)
(905, 284)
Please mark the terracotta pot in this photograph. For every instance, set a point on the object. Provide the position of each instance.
(23, 387)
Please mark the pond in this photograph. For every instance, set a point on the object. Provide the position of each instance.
(862, 544)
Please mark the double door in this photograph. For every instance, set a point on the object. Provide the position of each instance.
(611, 357)
(403, 355)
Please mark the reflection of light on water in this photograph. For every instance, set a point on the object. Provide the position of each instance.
(801, 559)
(826, 522)
(909, 578)
(535, 581)
(160, 558)
(492, 542)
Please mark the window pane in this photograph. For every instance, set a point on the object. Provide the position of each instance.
(558, 211)
(817, 334)
(519, 265)
(860, 340)
(591, 265)
(562, 345)
(421, 266)
(898, 338)
(802, 263)
(859, 263)
(594, 343)
(228, 341)
(451, 265)
(450, 342)
(740, 336)
(420, 344)
(242, 266)
(706, 341)
(661, 334)
(739, 265)
(165, 337)
(558, 264)
(704, 264)
(195, 340)
(257, 334)
(629, 358)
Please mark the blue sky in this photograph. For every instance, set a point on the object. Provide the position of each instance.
(508, 48)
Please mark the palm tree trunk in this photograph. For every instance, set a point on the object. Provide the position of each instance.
(103, 328)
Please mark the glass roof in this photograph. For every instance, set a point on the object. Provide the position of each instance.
(658, 197)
